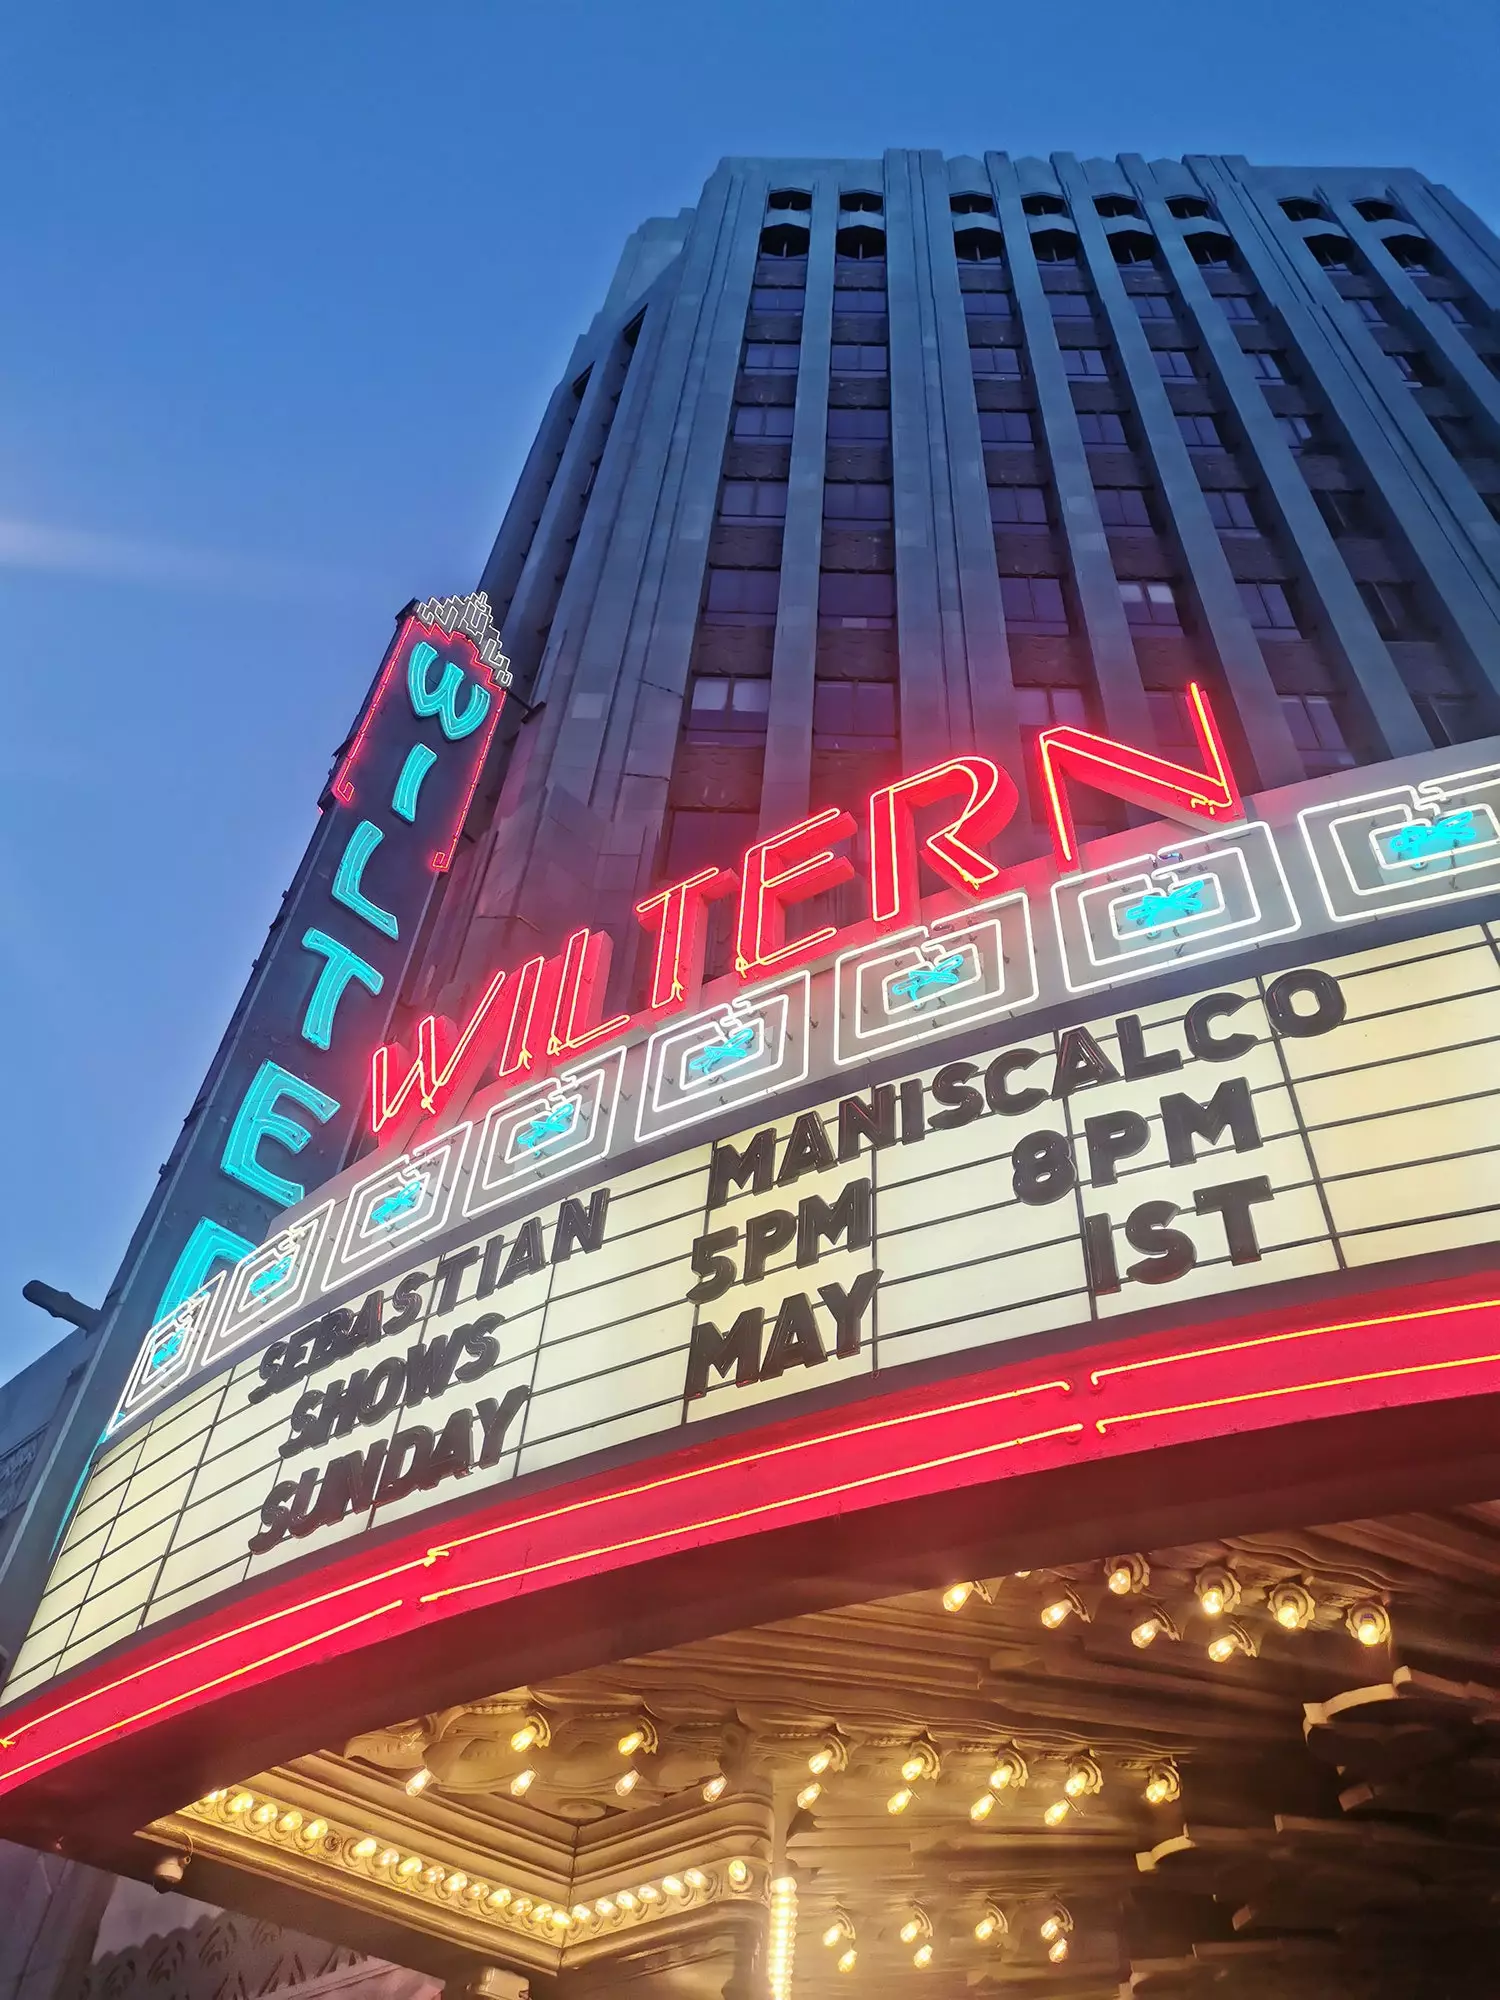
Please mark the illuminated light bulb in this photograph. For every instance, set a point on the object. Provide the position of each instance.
(522, 1906)
(631, 1742)
(363, 1849)
(418, 1782)
(263, 1815)
(1057, 1925)
(985, 1929)
(386, 1857)
(1218, 1591)
(674, 1885)
(913, 1769)
(714, 1789)
(625, 1900)
(982, 1807)
(1057, 1612)
(849, 1960)
(498, 1898)
(432, 1872)
(241, 1802)
(899, 1801)
(560, 1920)
(1009, 1773)
(603, 1908)
(1084, 1778)
(524, 1738)
(1057, 1812)
(957, 1595)
(1143, 1634)
(455, 1882)
(1234, 1640)
(695, 1878)
(1163, 1784)
(835, 1934)
(992, 1924)
(627, 1784)
(1057, 1951)
(522, 1783)
(409, 1866)
(1370, 1623)
(922, 1956)
(1075, 1785)
(911, 1930)
(1119, 1582)
(819, 1761)
(809, 1795)
(542, 1913)
(1124, 1574)
(1221, 1649)
(314, 1830)
(649, 1893)
(289, 1821)
(782, 1936)
(738, 1873)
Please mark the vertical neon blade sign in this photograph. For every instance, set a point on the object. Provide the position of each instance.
(1141, 779)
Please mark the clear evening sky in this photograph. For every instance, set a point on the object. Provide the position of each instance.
(286, 287)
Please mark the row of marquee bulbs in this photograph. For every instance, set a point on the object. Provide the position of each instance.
(1217, 1591)
(536, 1732)
(1083, 1778)
(1055, 1930)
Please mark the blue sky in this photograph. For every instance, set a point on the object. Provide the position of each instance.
(286, 288)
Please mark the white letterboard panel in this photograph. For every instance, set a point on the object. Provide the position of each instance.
(1371, 1139)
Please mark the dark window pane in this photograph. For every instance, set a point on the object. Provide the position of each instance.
(1100, 427)
(856, 500)
(1123, 507)
(861, 426)
(1011, 504)
(1005, 426)
(756, 420)
(1033, 604)
(777, 357)
(742, 596)
(995, 361)
(1084, 361)
(857, 598)
(777, 299)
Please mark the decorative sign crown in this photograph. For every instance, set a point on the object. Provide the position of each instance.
(470, 615)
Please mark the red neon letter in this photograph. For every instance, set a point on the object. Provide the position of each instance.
(431, 1080)
(782, 869)
(585, 970)
(990, 803)
(1135, 775)
(679, 917)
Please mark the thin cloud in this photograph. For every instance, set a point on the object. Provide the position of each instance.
(109, 558)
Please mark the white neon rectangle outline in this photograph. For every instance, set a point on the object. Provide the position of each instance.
(139, 1394)
(1135, 936)
(262, 1316)
(344, 1258)
(1471, 848)
(1336, 813)
(714, 1096)
(1231, 841)
(898, 1035)
(524, 1185)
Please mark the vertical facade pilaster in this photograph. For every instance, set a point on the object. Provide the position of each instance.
(1262, 721)
(1117, 674)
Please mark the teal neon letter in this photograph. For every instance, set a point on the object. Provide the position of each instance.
(442, 702)
(210, 1243)
(346, 890)
(258, 1118)
(419, 761)
(342, 966)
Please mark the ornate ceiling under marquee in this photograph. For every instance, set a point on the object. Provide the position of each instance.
(1265, 1766)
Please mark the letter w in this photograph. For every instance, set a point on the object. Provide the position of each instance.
(432, 1079)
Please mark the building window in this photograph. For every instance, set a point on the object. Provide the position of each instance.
(1151, 604)
(1265, 367)
(783, 239)
(1376, 211)
(1005, 427)
(771, 357)
(1055, 246)
(753, 500)
(1234, 305)
(1133, 246)
(996, 361)
(1334, 253)
(1210, 250)
(854, 715)
(1369, 312)
(1044, 204)
(971, 204)
(727, 711)
(1301, 208)
(988, 305)
(859, 426)
(1188, 206)
(1171, 722)
(777, 299)
(1034, 604)
(860, 242)
(1122, 507)
(1345, 513)
(1070, 305)
(1112, 205)
(978, 246)
(1101, 427)
(1411, 252)
(1174, 364)
(1200, 433)
(741, 597)
(1454, 311)
(1039, 708)
(858, 358)
(1151, 305)
(857, 600)
(1415, 371)
(1085, 363)
(1267, 609)
(1298, 431)
(866, 305)
(861, 201)
(856, 500)
(1013, 506)
(763, 420)
(794, 198)
(1230, 511)
(1393, 610)
(1448, 719)
(1316, 733)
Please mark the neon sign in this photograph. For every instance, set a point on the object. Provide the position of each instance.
(502, 1035)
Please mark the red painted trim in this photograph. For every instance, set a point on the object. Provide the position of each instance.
(1271, 1368)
